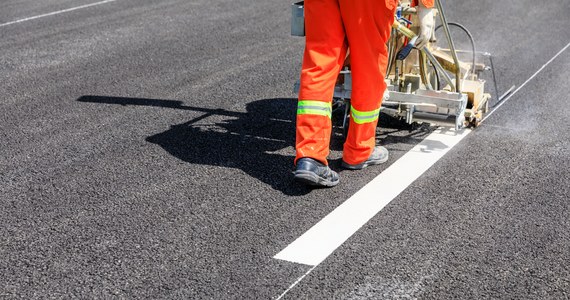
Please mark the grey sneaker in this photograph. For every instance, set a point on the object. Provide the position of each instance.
(379, 155)
(314, 173)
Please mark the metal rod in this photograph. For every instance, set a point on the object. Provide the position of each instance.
(508, 92)
(464, 51)
(346, 110)
(494, 78)
(391, 51)
(423, 71)
(451, 46)
(397, 78)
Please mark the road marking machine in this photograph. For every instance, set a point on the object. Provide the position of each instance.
(438, 85)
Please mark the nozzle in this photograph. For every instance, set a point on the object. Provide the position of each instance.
(404, 52)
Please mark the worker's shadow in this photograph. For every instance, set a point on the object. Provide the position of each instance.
(248, 141)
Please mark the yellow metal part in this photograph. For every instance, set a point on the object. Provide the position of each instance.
(403, 29)
(447, 63)
(477, 101)
(474, 90)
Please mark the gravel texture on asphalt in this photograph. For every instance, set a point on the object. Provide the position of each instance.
(146, 151)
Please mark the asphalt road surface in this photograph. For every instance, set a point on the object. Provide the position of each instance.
(146, 151)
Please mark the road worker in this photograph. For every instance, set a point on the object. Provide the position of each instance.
(331, 28)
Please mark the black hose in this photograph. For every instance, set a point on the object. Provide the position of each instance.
(428, 65)
(436, 77)
(470, 38)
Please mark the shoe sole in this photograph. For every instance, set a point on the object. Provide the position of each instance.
(310, 178)
(365, 164)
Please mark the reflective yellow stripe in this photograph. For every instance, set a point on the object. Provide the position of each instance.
(361, 117)
(308, 107)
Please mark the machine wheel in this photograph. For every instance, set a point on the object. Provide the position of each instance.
(476, 121)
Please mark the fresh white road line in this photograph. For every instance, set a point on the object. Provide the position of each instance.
(527, 81)
(56, 12)
(322, 239)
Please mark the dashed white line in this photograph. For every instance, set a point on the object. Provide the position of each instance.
(56, 12)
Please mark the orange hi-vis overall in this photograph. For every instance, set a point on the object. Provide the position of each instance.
(331, 27)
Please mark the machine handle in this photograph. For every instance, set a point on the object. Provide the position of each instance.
(404, 52)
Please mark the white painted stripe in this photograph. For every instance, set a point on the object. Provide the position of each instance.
(327, 235)
(56, 12)
(527, 81)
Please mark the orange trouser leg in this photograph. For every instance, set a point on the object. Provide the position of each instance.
(367, 25)
(325, 51)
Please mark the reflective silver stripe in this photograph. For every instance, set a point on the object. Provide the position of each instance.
(361, 117)
(309, 107)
